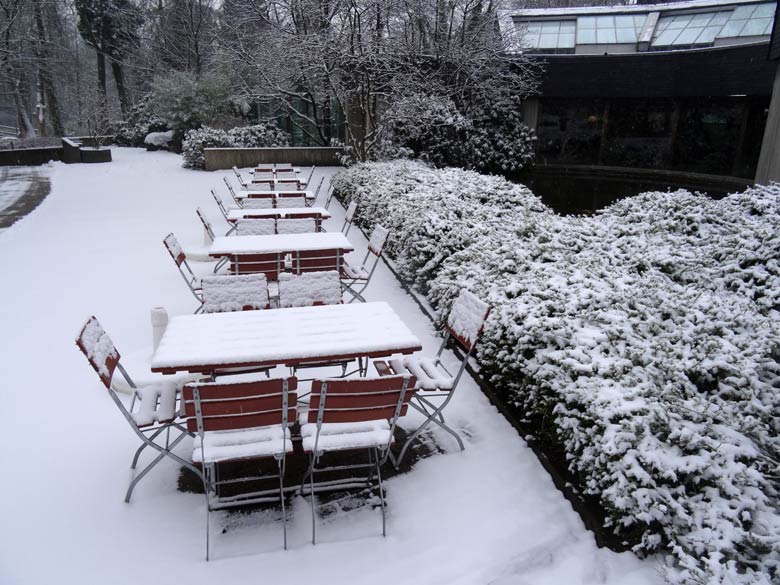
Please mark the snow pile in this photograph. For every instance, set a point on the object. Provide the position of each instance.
(644, 341)
(159, 139)
(234, 293)
(309, 288)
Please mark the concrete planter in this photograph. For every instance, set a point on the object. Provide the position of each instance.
(91, 155)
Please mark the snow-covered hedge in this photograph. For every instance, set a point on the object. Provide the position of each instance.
(644, 341)
(257, 136)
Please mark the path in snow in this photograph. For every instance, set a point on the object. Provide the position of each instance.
(21, 190)
(489, 514)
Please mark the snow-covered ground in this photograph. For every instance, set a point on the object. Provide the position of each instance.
(489, 514)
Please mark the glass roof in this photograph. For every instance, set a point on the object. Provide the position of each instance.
(750, 20)
(689, 29)
(608, 29)
(547, 34)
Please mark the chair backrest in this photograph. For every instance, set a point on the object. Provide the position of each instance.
(296, 226)
(219, 203)
(255, 227)
(240, 405)
(263, 184)
(360, 399)
(258, 203)
(319, 186)
(351, 208)
(329, 197)
(309, 289)
(378, 238)
(230, 189)
(269, 264)
(264, 168)
(246, 292)
(206, 223)
(239, 177)
(265, 176)
(285, 185)
(317, 261)
(174, 249)
(283, 168)
(97, 346)
(290, 200)
(467, 318)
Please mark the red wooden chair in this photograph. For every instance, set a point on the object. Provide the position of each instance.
(309, 289)
(265, 201)
(207, 227)
(153, 409)
(193, 282)
(353, 415)
(246, 292)
(436, 383)
(264, 184)
(256, 227)
(270, 264)
(317, 261)
(356, 278)
(264, 168)
(295, 199)
(241, 421)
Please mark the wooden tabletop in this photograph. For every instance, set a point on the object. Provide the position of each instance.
(245, 339)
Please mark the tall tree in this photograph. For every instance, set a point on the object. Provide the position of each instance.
(45, 62)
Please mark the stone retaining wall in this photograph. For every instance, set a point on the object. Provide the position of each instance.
(225, 158)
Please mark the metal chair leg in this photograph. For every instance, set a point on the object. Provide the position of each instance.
(381, 493)
(313, 512)
(281, 496)
(143, 446)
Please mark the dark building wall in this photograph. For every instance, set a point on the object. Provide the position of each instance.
(698, 111)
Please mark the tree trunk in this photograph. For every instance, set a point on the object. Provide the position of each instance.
(101, 73)
(121, 89)
(26, 128)
(44, 72)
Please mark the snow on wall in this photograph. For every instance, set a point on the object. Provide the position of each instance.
(234, 293)
(309, 288)
(647, 337)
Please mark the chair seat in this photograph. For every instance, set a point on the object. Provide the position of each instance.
(429, 375)
(251, 443)
(156, 404)
(345, 436)
(356, 273)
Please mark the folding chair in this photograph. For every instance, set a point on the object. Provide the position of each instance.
(286, 186)
(241, 421)
(288, 200)
(270, 264)
(265, 202)
(296, 226)
(283, 168)
(255, 227)
(153, 409)
(464, 326)
(247, 292)
(206, 224)
(240, 178)
(264, 184)
(309, 289)
(329, 197)
(360, 276)
(263, 177)
(264, 168)
(351, 415)
(350, 215)
(317, 261)
(319, 186)
(220, 204)
(193, 282)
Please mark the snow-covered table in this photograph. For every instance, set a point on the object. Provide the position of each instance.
(280, 243)
(277, 213)
(245, 339)
(250, 193)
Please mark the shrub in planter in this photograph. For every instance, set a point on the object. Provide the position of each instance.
(195, 141)
(644, 342)
(258, 136)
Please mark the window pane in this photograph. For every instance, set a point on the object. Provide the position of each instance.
(732, 28)
(701, 19)
(606, 36)
(605, 22)
(568, 27)
(755, 26)
(548, 41)
(626, 35)
(666, 38)
(586, 36)
(708, 35)
(679, 22)
(566, 41)
(720, 18)
(624, 21)
(688, 36)
(586, 22)
(551, 27)
(743, 12)
(764, 11)
(639, 21)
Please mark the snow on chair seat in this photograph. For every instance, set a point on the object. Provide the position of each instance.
(355, 272)
(309, 288)
(428, 373)
(296, 226)
(255, 227)
(346, 436)
(252, 443)
(286, 185)
(234, 293)
(157, 404)
(156, 412)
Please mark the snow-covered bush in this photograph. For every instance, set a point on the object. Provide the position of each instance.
(139, 124)
(196, 141)
(185, 101)
(258, 136)
(644, 341)
(158, 140)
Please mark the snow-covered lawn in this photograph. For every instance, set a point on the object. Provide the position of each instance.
(489, 514)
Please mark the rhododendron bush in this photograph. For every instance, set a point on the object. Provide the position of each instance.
(644, 341)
